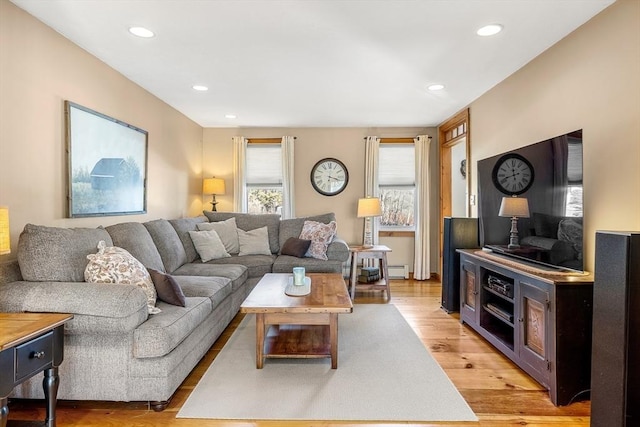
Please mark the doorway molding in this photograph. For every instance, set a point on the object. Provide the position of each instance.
(452, 132)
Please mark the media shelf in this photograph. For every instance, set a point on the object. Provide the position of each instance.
(541, 322)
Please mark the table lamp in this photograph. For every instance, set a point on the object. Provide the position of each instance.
(5, 243)
(368, 208)
(514, 207)
(213, 186)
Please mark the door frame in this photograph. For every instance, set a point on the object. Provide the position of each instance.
(450, 133)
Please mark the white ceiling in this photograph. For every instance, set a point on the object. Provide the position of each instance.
(315, 63)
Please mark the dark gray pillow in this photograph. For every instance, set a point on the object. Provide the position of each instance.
(167, 288)
(295, 247)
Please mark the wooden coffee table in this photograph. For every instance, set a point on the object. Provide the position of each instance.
(298, 326)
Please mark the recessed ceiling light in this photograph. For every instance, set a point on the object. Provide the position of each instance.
(435, 87)
(141, 32)
(230, 116)
(489, 30)
(200, 88)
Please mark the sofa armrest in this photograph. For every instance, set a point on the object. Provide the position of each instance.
(338, 250)
(97, 308)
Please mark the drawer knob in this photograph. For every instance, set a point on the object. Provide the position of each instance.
(38, 354)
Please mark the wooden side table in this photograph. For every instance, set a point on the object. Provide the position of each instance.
(31, 343)
(375, 252)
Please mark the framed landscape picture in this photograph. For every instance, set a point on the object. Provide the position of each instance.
(107, 164)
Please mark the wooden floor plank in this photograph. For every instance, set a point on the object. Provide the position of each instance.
(499, 392)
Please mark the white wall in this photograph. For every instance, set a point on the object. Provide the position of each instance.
(39, 69)
(313, 144)
(590, 80)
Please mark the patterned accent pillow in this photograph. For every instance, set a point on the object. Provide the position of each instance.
(320, 235)
(115, 265)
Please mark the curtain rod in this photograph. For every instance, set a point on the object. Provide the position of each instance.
(266, 140)
(396, 140)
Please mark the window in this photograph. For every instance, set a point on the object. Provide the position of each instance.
(574, 176)
(396, 181)
(264, 178)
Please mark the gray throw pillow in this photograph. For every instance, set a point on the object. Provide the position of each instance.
(295, 247)
(208, 245)
(167, 288)
(227, 231)
(254, 242)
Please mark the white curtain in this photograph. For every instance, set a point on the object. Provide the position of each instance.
(421, 262)
(239, 167)
(288, 194)
(371, 156)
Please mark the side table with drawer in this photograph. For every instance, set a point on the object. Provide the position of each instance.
(31, 343)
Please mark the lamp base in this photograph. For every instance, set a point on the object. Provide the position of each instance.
(514, 241)
(213, 203)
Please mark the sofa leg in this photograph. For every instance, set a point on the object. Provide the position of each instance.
(159, 406)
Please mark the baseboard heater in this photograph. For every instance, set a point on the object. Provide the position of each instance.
(398, 271)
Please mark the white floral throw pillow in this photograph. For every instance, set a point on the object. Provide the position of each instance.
(320, 235)
(115, 265)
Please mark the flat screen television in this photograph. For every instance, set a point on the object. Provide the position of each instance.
(550, 175)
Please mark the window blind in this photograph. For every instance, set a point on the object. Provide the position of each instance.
(396, 165)
(264, 164)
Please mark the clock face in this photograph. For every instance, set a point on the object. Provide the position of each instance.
(329, 177)
(512, 174)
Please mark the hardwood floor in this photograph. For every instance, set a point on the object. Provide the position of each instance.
(498, 392)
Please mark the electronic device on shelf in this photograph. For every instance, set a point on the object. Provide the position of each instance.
(501, 286)
(499, 311)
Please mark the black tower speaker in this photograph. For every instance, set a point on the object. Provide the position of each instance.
(615, 365)
(459, 233)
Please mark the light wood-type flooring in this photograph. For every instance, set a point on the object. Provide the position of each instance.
(498, 391)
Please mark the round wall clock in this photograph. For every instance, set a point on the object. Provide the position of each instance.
(512, 174)
(329, 176)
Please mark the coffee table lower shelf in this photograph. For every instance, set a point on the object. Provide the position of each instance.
(299, 336)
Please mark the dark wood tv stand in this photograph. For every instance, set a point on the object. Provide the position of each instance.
(538, 318)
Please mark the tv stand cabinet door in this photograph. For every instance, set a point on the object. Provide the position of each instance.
(469, 292)
(534, 334)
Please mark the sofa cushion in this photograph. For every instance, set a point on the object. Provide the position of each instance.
(293, 227)
(135, 238)
(182, 227)
(295, 247)
(237, 273)
(254, 242)
(163, 332)
(57, 254)
(168, 243)
(248, 222)
(320, 235)
(227, 231)
(208, 245)
(167, 288)
(257, 265)
(214, 288)
(285, 264)
(115, 265)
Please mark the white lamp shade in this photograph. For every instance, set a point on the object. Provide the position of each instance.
(514, 207)
(5, 243)
(213, 186)
(369, 206)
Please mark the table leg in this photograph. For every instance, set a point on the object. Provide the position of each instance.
(259, 340)
(333, 339)
(385, 273)
(354, 276)
(50, 385)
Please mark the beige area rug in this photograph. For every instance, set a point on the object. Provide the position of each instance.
(384, 374)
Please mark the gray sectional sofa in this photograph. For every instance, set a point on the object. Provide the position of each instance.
(114, 349)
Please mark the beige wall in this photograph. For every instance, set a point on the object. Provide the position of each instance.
(590, 80)
(313, 144)
(39, 69)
